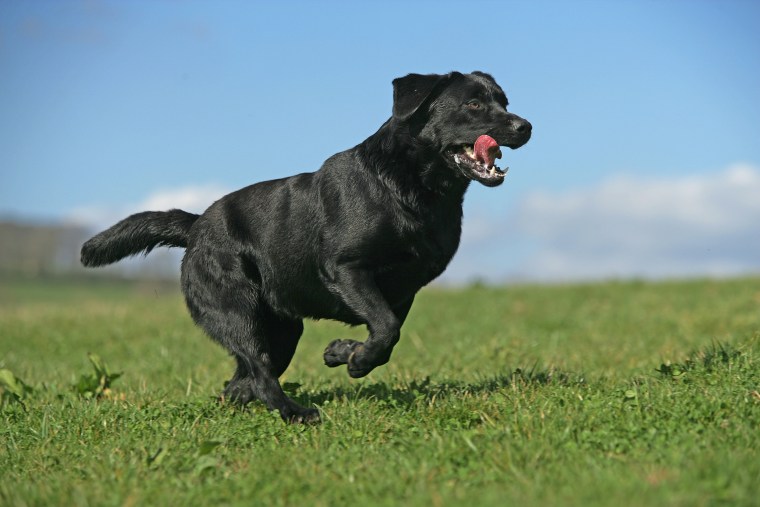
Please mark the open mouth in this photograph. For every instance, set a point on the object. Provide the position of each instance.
(477, 161)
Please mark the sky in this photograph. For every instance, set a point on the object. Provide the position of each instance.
(644, 160)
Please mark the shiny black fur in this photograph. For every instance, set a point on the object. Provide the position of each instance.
(353, 241)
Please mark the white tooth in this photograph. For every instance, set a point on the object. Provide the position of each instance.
(456, 158)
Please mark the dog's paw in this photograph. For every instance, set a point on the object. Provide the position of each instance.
(357, 365)
(338, 352)
(363, 360)
(238, 392)
(301, 415)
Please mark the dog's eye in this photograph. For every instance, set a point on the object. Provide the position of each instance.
(472, 104)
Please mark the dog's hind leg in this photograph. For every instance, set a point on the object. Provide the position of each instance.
(260, 361)
(283, 342)
(230, 310)
(281, 346)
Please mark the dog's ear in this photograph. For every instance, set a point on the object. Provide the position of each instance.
(483, 74)
(411, 91)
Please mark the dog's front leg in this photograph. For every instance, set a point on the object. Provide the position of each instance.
(358, 291)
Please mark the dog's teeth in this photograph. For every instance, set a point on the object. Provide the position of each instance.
(456, 158)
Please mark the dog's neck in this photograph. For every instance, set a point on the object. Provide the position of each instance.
(410, 167)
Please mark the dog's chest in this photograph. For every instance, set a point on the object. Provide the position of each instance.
(430, 243)
(437, 244)
(424, 257)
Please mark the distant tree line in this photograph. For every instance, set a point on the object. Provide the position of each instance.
(33, 249)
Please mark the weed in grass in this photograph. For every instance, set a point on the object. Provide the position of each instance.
(12, 389)
(98, 383)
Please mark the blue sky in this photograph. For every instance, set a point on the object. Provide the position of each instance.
(107, 106)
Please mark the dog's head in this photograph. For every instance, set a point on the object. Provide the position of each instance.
(463, 117)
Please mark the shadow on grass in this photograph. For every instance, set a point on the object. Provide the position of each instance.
(710, 358)
(405, 394)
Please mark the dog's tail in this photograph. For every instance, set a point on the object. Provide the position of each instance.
(141, 232)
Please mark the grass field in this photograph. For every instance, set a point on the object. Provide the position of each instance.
(605, 394)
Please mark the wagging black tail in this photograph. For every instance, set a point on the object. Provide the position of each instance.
(141, 232)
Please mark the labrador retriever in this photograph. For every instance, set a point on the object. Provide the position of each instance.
(353, 241)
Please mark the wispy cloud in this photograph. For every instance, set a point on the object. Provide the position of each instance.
(194, 199)
(634, 226)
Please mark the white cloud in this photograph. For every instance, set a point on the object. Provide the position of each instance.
(194, 199)
(633, 226)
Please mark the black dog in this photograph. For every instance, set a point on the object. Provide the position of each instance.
(353, 241)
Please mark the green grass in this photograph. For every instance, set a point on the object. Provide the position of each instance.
(603, 394)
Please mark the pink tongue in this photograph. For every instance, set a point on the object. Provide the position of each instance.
(486, 150)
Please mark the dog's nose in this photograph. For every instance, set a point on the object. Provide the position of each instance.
(522, 126)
